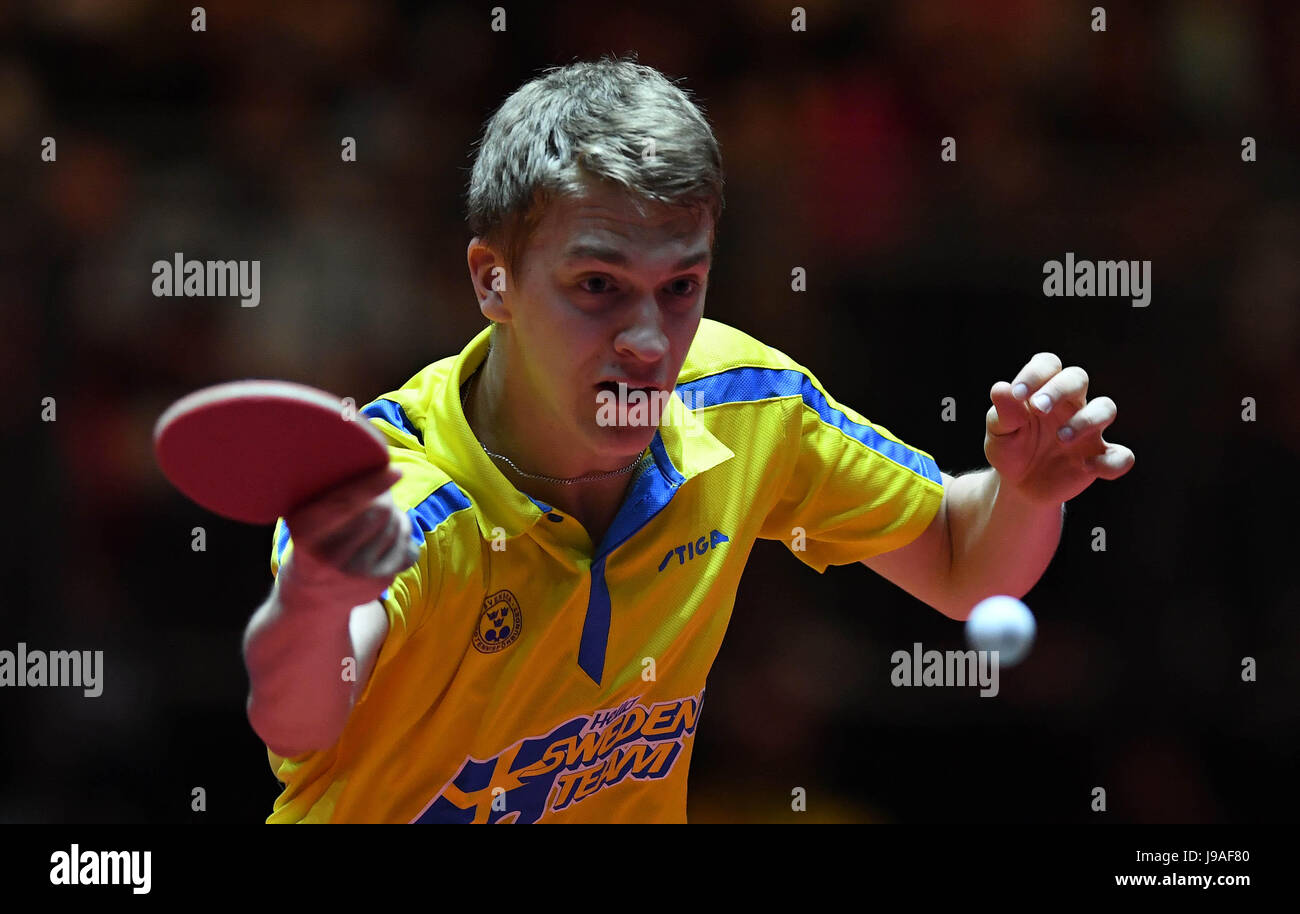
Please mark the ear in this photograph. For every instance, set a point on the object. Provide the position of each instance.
(487, 270)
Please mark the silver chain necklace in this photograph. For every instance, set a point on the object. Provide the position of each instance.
(557, 480)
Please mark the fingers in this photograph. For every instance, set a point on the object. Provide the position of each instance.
(313, 523)
(1093, 419)
(1035, 374)
(362, 529)
(1114, 463)
(401, 554)
(1067, 386)
(349, 545)
(367, 535)
(359, 562)
(383, 556)
(1043, 386)
(1007, 414)
(366, 554)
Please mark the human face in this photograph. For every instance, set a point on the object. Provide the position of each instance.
(604, 295)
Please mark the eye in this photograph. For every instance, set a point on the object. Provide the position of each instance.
(684, 287)
(602, 286)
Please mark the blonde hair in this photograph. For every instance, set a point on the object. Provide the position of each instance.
(611, 119)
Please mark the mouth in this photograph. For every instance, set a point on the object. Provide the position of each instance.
(612, 387)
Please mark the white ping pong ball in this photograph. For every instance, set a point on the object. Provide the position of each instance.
(1001, 624)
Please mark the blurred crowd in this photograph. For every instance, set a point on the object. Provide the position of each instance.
(924, 282)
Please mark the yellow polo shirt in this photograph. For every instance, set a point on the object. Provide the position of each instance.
(529, 676)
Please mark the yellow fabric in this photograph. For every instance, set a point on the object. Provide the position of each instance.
(486, 703)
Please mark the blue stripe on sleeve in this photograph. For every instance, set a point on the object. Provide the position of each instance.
(394, 415)
(282, 543)
(442, 504)
(743, 385)
(428, 514)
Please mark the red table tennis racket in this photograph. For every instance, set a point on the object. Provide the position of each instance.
(253, 451)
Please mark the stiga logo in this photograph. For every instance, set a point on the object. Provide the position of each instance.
(545, 774)
(688, 551)
(499, 624)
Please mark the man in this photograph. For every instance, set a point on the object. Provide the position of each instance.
(521, 629)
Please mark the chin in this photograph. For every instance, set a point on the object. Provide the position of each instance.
(622, 443)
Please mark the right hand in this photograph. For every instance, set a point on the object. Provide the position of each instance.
(348, 544)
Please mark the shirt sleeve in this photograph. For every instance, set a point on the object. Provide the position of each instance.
(855, 490)
(407, 602)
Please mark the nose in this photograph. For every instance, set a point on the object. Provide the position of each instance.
(643, 336)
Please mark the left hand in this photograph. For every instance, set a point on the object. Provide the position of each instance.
(1021, 441)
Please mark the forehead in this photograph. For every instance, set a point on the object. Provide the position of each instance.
(605, 216)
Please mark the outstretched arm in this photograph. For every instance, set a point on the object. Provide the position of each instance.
(984, 540)
(997, 529)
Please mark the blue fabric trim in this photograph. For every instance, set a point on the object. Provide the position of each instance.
(394, 415)
(445, 501)
(650, 494)
(743, 385)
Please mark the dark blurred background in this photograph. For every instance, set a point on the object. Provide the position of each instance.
(924, 282)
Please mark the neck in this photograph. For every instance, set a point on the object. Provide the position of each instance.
(504, 419)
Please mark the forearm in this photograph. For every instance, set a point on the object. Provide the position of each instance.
(298, 699)
(1001, 542)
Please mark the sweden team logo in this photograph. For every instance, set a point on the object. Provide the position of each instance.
(541, 775)
(499, 624)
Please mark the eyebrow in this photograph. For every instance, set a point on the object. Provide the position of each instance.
(618, 258)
